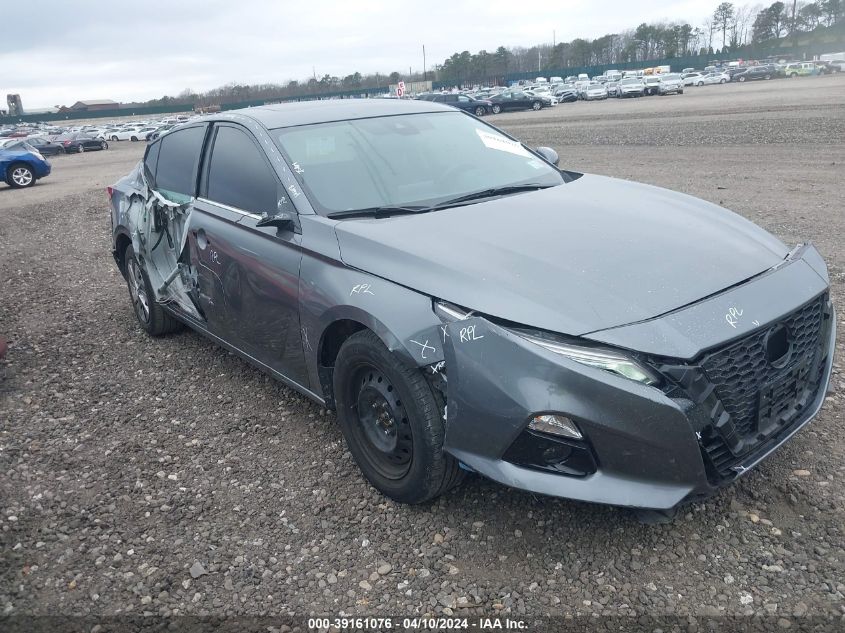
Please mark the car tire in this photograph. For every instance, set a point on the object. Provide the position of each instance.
(104, 145)
(479, 111)
(79, 149)
(741, 79)
(392, 421)
(700, 83)
(536, 106)
(681, 91)
(114, 138)
(721, 81)
(154, 319)
(133, 138)
(767, 77)
(20, 176)
(497, 108)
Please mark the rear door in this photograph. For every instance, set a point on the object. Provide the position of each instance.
(248, 275)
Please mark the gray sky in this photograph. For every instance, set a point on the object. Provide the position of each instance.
(55, 52)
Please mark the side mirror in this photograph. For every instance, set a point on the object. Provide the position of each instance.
(282, 221)
(549, 154)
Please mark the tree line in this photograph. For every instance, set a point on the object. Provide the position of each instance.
(729, 29)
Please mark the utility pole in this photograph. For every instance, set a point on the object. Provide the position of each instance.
(425, 77)
(554, 38)
(539, 60)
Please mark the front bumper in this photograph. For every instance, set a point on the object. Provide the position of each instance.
(649, 445)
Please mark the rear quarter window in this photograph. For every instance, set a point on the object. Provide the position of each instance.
(178, 160)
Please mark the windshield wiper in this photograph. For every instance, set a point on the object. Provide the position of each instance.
(387, 211)
(489, 193)
(379, 212)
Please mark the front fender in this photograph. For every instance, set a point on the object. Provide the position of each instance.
(402, 318)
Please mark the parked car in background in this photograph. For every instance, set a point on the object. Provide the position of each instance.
(46, 147)
(21, 165)
(547, 97)
(631, 87)
(79, 142)
(612, 88)
(801, 69)
(764, 71)
(128, 134)
(595, 91)
(690, 79)
(162, 129)
(515, 100)
(712, 78)
(464, 305)
(478, 107)
(652, 84)
(670, 83)
(566, 94)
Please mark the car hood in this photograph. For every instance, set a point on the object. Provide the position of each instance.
(588, 255)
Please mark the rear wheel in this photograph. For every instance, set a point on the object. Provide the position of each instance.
(79, 149)
(20, 176)
(497, 108)
(153, 318)
(479, 111)
(536, 106)
(742, 79)
(104, 145)
(392, 422)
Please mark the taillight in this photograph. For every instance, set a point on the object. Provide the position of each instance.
(66, 143)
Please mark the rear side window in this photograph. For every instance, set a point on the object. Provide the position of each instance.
(178, 161)
(238, 173)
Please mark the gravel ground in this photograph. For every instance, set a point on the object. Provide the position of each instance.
(168, 477)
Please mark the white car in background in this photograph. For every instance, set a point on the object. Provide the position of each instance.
(595, 90)
(690, 79)
(128, 134)
(713, 78)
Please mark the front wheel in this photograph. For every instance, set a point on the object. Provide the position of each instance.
(20, 176)
(104, 145)
(741, 79)
(392, 422)
(79, 149)
(767, 77)
(497, 109)
(114, 138)
(479, 111)
(700, 83)
(536, 106)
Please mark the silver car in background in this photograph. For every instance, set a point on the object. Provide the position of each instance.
(671, 83)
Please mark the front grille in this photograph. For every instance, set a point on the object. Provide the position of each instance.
(740, 371)
(745, 404)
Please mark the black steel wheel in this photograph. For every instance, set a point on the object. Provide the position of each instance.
(392, 421)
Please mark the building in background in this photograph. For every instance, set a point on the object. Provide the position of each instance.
(94, 104)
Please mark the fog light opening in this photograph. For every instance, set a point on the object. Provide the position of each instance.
(555, 424)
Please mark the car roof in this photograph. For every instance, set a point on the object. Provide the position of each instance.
(308, 112)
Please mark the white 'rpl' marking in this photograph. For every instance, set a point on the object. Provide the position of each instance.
(425, 346)
(732, 317)
(468, 334)
(361, 289)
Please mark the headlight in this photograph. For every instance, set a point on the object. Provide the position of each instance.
(607, 359)
(603, 358)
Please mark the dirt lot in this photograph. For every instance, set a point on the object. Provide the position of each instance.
(125, 461)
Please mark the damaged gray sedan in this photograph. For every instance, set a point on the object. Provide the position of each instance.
(465, 305)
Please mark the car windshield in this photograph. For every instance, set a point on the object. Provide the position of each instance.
(408, 160)
(671, 77)
(629, 81)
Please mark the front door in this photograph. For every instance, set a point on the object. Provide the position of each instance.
(248, 275)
